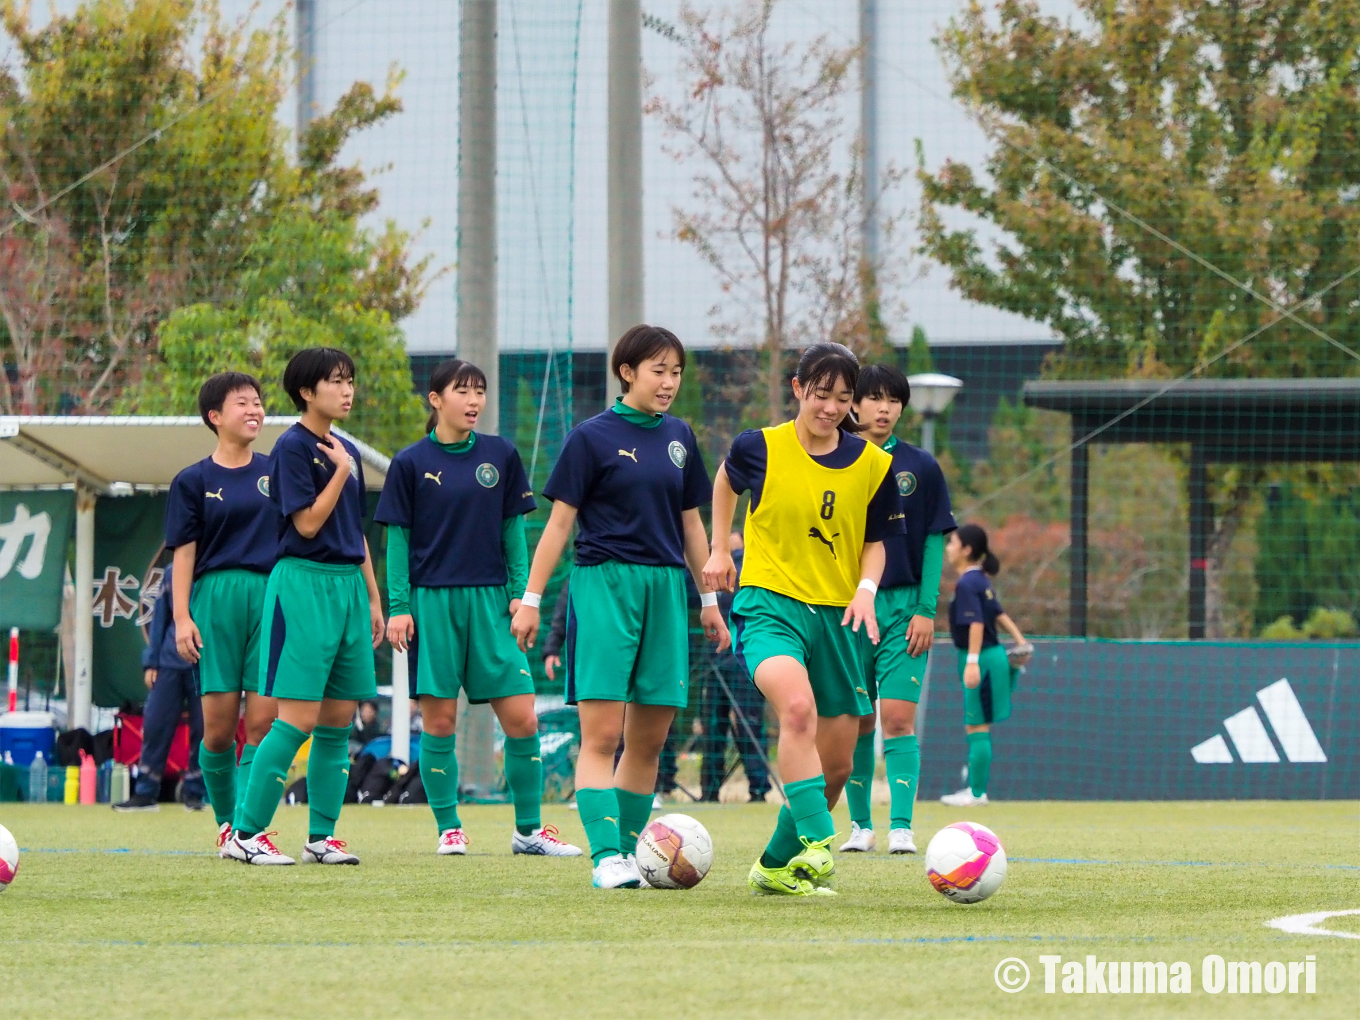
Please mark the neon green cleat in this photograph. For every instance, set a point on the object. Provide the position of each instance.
(815, 864)
(780, 882)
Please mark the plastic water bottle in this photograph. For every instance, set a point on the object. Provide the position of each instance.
(71, 792)
(119, 790)
(9, 758)
(88, 778)
(37, 780)
(104, 782)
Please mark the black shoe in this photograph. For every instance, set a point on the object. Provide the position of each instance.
(138, 802)
(193, 803)
(757, 798)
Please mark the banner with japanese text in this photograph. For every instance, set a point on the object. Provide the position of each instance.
(35, 530)
(129, 537)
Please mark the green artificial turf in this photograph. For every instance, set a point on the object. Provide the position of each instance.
(132, 915)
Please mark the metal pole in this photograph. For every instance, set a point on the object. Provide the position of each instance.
(305, 28)
(1200, 516)
(868, 113)
(79, 696)
(1077, 559)
(624, 180)
(928, 433)
(478, 339)
(401, 707)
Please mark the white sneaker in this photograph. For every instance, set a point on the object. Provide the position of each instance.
(964, 798)
(259, 849)
(327, 851)
(658, 802)
(617, 872)
(861, 841)
(900, 841)
(543, 842)
(224, 841)
(452, 841)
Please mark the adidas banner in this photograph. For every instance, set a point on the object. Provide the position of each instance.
(1173, 720)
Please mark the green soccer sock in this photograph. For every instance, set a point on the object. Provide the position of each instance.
(861, 782)
(979, 761)
(599, 811)
(634, 811)
(327, 777)
(439, 773)
(807, 802)
(219, 777)
(902, 756)
(270, 775)
(524, 776)
(784, 844)
(243, 780)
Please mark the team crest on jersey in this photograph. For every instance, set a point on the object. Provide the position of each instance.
(678, 453)
(262, 483)
(906, 483)
(487, 475)
(353, 468)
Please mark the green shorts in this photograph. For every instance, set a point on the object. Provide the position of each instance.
(766, 624)
(316, 638)
(228, 606)
(463, 643)
(628, 635)
(889, 669)
(990, 701)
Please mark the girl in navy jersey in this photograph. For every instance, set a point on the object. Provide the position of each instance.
(452, 590)
(631, 480)
(984, 668)
(224, 531)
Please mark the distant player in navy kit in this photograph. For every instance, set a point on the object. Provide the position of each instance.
(632, 480)
(224, 531)
(322, 612)
(451, 589)
(895, 668)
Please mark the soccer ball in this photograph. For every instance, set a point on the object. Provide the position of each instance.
(966, 862)
(674, 852)
(9, 858)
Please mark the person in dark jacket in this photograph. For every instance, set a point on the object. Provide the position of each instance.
(557, 635)
(172, 683)
(742, 715)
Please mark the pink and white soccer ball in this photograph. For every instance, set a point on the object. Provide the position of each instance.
(9, 858)
(966, 862)
(674, 852)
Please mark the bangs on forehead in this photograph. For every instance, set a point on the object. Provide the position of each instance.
(828, 377)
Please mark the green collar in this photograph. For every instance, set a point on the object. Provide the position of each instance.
(890, 445)
(634, 416)
(462, 447)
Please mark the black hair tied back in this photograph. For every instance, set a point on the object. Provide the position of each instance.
(825, 364)
(456, 373)
(973, 538)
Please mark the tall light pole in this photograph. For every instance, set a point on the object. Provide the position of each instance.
(624, 176)
(868, 121)
(931, 393)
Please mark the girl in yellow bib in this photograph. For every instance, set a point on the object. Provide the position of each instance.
(822, 501)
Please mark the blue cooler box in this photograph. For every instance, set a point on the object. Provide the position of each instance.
(24, 734)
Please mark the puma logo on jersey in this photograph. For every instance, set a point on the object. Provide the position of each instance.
(435, 478)
(442, 772)
(632, 454)
(817, 534)
(214, 495)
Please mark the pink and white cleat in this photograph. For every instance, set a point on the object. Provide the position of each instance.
(452, 841)
(543, 842)
(259, 849)
(327, 851)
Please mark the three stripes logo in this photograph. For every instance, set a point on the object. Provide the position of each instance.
(1251, 740)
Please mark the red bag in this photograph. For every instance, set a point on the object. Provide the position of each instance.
(127, 743)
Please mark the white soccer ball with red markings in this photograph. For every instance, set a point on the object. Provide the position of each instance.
(674, 852)
(9, 858)
(966, 862)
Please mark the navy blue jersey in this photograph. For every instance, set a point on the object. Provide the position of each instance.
(925, 501)
(974, 601)
(298, 471)
(630, 483)
(746, 462)
(227, 513)
(454, 504)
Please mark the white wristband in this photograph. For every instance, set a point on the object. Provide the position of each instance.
(870, 586)
(532, 599)
(708, 599)
(972, 659)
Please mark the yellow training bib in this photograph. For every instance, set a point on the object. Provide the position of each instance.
(806, 535)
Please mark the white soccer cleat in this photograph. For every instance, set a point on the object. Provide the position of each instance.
(259, 849)
(617, 872)
(327, 851)
(658, 802)
(964, 798)
(861, 841)
(900, 841)
(224, 842)
(543, 842)
(452, 841)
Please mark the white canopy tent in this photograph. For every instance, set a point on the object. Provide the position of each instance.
(119, 456)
